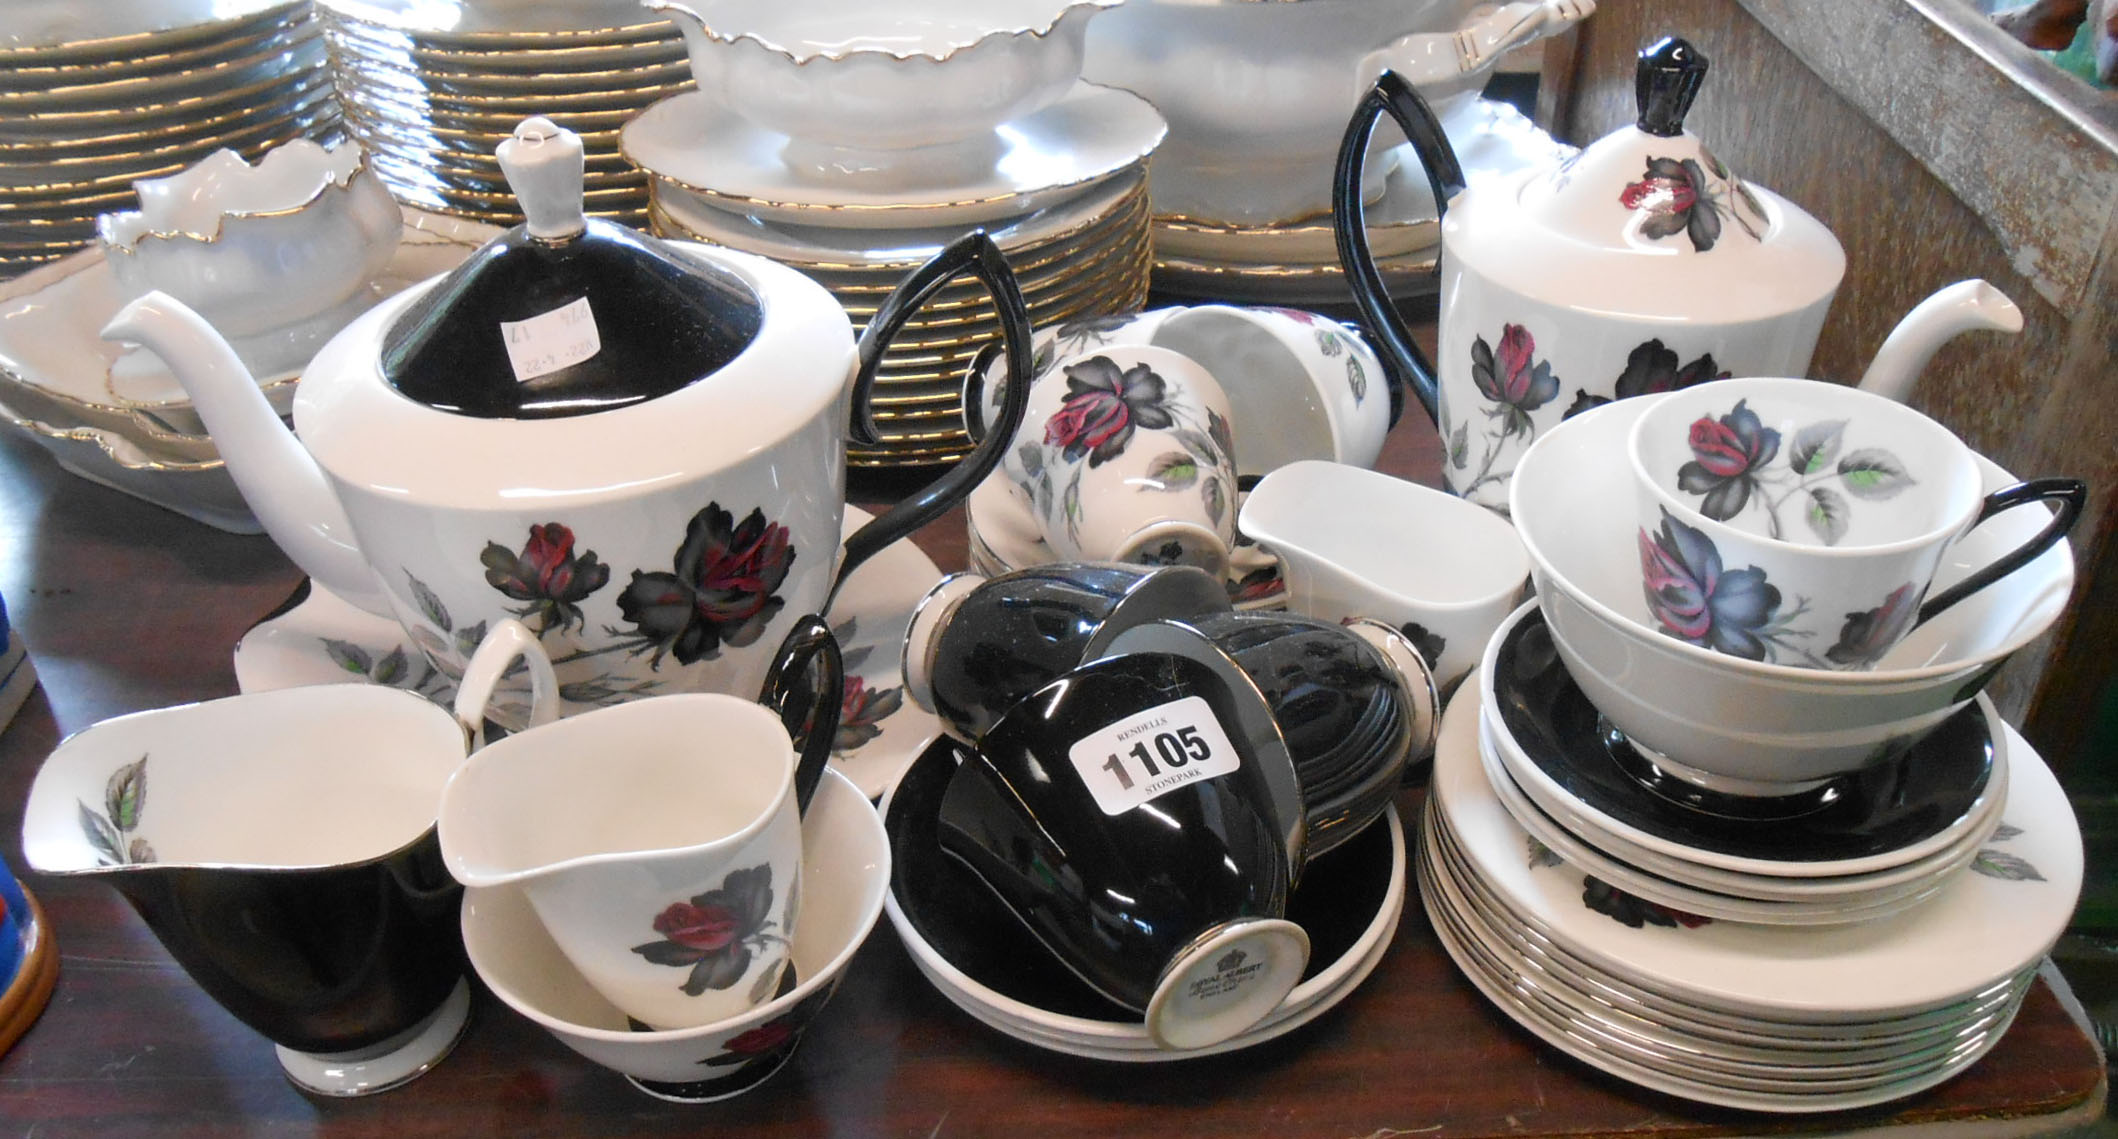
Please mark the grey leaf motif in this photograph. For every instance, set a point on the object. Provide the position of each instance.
(1197, 443)
(126, 794)
(1540, 854)
(1173, 470)
(851, 659)
(101, 835)
(430, 603)
(1216, 499)
(760, 989)
(1041, 498)
(1460, 446)
(1031, 456)
(1328, 343)
(140, 851)
(1357, 379)
(2004, 866)
(1815, 446)
(349, 656)
(1070, 507)
(1873, 473)
(2004, 832)
(1826, 514)
(468, 639)
(394, 669)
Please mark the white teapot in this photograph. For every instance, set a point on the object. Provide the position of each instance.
(1642, 264)
(636, 447)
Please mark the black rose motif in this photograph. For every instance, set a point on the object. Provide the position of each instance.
(723, 590)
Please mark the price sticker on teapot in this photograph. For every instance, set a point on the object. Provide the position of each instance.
(546, 343)
(1153, 752)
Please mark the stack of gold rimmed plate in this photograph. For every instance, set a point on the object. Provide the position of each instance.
(1065, 199)
(95, 96)
(431, 87)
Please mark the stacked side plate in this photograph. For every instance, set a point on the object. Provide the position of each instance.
(1065, 198)
(95, 100)
(431, 88)
(1742, 1013)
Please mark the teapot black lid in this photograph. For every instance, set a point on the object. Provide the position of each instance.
(565, 314)
(1665, 82)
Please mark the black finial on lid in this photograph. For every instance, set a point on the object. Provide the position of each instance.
(1669, 75)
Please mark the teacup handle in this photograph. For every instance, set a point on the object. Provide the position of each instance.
(976, 252)
(1404, 365)
(2068, 496)
(504, 644)
(806, 685)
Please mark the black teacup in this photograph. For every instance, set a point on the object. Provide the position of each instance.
(1124, 813)
(978, 645)
(1354, 703)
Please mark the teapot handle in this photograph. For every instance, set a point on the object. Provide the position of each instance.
(1404, 365)
(806, 685)
(976, 252)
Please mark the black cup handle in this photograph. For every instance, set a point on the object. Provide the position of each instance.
(976, 252)
(1404, 365)
(2068, 496)
(806, 685)
(974, 389)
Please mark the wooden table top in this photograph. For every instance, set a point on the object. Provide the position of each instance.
(126, 607)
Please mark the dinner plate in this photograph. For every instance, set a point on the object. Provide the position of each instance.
(320, 638)
(1882, 816)
(981, 958)
(1084, 137)
(1988, 923)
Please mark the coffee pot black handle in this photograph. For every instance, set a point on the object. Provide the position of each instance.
(1404, 365)
(977, 253)
(806, 685)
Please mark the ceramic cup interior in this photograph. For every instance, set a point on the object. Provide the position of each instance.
(1803, 462)
(1124, 815)
(845, 875)
(659, 841)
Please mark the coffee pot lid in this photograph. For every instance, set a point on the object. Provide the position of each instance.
(1651, 196)
(565, 314)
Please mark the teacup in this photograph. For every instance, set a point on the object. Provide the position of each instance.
(1358, 543)
(1125, 454)
(1801, 522)
(1300, 385)
(659, 840)
(1123, 814)
(976, 646)
(282, 847)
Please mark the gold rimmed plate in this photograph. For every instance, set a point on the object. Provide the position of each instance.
(44, 77)
(273, 89)
(80, 92)
(225, 18)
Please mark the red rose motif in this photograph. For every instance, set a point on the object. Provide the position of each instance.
(706, 928)
(763, 1038)
(546, 574)
(724, 589)
(1727, 454)
(1513, 377)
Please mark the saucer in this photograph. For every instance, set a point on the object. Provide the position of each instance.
(1878, 817)
(1984, 926)
(317, 637)
(1088, 134)
(980, 957)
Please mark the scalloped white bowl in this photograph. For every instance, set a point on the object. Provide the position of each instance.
(865, 77)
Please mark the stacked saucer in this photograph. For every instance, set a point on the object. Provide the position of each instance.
(1063, 193)
(431, 87)
(1296, 262)
(94, 96)
(1928, 905)
(989, 965)
(1861, 847)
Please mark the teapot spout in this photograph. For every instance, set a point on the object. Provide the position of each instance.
(1962, 307)
(283, 485)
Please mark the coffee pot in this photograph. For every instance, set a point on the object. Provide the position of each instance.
(1641, 264)
(635, 446)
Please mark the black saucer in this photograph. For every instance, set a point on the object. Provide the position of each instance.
(1873, 811)
(1338, 897)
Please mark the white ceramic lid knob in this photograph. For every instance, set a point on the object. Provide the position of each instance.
(544, 163)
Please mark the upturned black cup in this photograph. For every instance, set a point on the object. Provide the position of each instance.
(978, 645)
(1354, 703)
(1123, 813)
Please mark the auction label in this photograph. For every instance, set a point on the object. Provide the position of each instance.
(558, 339)
(1153, 752)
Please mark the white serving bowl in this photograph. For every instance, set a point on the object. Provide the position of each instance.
(866, 77)
(845, 876)
(260, 251)
(1736, 725)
